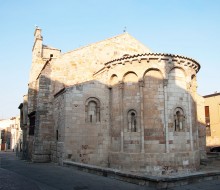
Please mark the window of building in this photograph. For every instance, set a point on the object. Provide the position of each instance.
(32, 123)
(92, 110)
(3, 136)
(57, 135)
(132, 121)
(179, 119)
(207, 121)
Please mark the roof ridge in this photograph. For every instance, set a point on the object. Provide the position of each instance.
(49, 47)
(211, 95)
(122, 34)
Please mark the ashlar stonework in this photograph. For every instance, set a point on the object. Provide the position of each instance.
(113, 104)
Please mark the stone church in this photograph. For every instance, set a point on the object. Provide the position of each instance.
(112, 104)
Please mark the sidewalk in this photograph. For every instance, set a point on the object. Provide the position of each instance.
(205, 174)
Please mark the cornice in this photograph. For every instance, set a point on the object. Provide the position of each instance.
(169, 58)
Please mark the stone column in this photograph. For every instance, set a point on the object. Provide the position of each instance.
(121, 86)
(165, 83)
(141, 85)
(190, 115)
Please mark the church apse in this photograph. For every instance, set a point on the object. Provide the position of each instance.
(157, 129)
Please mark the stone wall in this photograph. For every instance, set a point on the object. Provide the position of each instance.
(156, 92)
(79, 65)
(201, 126)
(43, 133)
(178, 97)
(213, 119)
(57, 146)
(153, 113)
(155, 163)
(85, 140)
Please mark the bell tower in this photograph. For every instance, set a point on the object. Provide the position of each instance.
(38, 44)
(37, 55)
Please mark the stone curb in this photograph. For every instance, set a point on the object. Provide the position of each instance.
(151, 181)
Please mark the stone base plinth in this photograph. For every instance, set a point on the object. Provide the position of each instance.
(41, 158)
(158, 164)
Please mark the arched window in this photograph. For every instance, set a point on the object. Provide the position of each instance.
(179, 119)
(132, 121)
(92, 110)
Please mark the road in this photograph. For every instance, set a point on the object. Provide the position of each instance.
(48, 176)
(22, 175)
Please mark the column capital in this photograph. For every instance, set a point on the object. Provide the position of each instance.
(141, 83)
(121, 84)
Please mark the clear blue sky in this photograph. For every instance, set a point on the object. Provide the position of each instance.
(188, 27)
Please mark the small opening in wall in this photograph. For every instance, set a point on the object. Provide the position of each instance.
(69, 156)
(207, 120)
(179, 119)
(51, 55)
(92, 110)
(132, 121)
(32, 123)
(178, 123)
(57, 135)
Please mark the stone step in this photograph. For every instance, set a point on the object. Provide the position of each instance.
(205, 162)
(212, 155)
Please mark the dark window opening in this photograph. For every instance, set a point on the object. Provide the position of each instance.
(57, 133)
(207, 121)
(92, 111)
(132, 121)
(32, 123)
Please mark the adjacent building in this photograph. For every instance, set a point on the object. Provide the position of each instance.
(212, 119)
(114, 103)
(10, 134)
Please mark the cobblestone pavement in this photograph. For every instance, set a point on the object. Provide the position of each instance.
(18, 174)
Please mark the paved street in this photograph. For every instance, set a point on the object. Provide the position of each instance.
(19, 174)
(48, 176)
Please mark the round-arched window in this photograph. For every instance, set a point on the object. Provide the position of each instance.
(92, 110)
(132, 121)
(179, 119)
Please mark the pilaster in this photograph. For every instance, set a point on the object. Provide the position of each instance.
(190, 115)
(121, 87)
(165, 83)
(141, 85)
